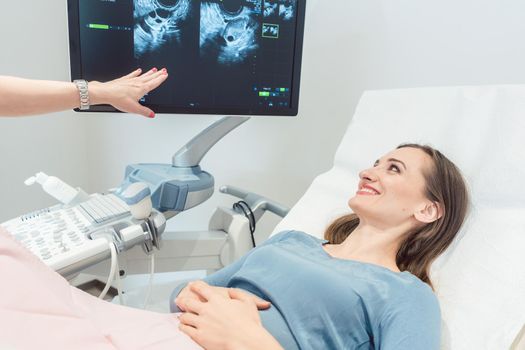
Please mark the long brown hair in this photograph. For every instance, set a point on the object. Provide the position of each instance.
(444, 185)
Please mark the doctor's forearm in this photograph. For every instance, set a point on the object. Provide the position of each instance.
(28, 97)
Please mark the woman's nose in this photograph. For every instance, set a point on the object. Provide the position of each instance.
(368, 174)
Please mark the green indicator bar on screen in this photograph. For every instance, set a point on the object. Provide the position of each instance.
(98, 26)
(264, 93)
(283, 89)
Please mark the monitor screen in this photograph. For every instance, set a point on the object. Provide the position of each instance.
(240, 57)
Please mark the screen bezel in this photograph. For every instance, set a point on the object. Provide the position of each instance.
(76, 72)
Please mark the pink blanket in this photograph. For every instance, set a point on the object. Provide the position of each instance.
(40, 310)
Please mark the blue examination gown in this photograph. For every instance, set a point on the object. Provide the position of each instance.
(321, 302)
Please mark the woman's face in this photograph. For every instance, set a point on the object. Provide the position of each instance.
(391, 192)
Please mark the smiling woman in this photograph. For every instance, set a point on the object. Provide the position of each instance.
(416, 188)
(365, 286)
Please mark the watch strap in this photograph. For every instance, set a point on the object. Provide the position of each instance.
(82, 86)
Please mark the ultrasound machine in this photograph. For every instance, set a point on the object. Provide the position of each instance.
(238, 58)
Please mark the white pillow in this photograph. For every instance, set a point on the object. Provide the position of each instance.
(480, 280)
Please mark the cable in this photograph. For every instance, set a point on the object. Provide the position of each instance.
(150, 285)
(248, 213)
(111, 276)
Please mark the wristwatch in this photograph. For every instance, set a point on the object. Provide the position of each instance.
(82, 87)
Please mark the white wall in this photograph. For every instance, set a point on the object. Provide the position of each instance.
(33, 44)
(350, 46)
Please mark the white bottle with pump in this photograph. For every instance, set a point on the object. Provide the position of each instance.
(54, 186)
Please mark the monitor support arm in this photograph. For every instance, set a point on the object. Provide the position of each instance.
(191, 153)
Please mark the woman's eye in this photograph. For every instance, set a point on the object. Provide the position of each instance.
(394, 167)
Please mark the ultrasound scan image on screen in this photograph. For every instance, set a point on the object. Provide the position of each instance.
(228, 35)
(158, 26)
(223, 56)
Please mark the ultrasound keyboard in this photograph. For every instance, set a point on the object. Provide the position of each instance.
(101, 208)
(60, 237)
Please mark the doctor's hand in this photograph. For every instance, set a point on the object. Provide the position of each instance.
(224, 322)
(125, 92)
(188, 293)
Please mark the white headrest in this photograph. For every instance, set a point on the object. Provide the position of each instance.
(480, 280)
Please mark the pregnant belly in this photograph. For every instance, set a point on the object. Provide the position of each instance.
(275, 323)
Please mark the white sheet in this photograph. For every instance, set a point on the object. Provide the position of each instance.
(480, 280)
(40, 310)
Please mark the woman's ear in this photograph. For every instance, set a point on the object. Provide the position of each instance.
(429, 212)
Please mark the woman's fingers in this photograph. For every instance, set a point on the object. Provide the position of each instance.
(133, 74)
(179, 304)
(262, 304)
(189, 319)
(186, 293)
(190, 331)
(152, 74)
(191, 305)
(155, 82)
(149, 73)
(240, 295)
(203, 290)
(142, 110)
(145, 112)
(207, 292)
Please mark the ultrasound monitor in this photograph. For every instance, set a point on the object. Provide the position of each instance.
(236, 57)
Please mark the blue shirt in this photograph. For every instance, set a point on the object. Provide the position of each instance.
(322, 302)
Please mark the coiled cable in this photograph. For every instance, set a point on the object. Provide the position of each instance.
(248, 213)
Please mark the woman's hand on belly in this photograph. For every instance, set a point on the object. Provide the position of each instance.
(219, 321)
(188, 294)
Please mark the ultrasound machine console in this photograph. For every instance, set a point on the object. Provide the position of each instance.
(73, 236)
